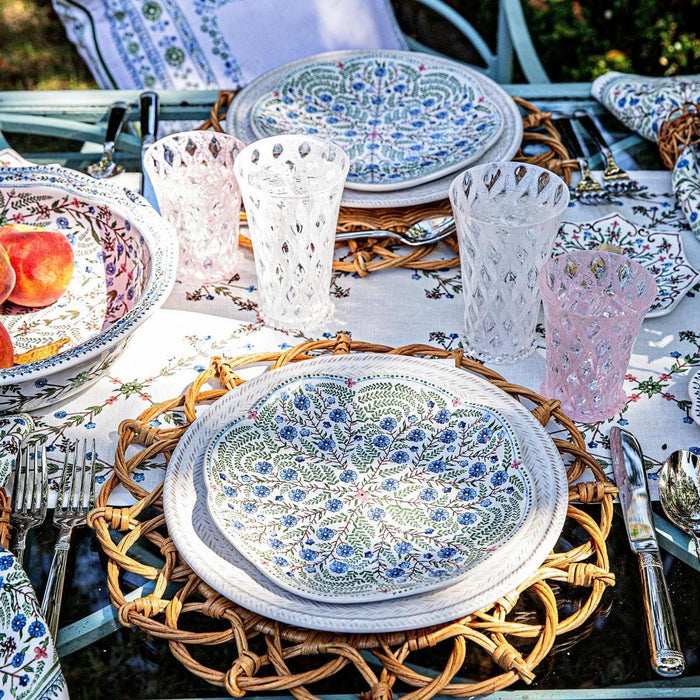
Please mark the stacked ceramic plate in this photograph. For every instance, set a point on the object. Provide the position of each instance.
(408, 121)
(365, 493)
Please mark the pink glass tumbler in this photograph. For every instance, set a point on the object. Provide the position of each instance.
(192, 176)
(594, 305)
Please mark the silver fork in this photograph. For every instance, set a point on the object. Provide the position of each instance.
(76, 497)
(615, 178)
(588, 190)
(30, 494)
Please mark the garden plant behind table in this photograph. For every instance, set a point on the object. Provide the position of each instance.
(575, 41)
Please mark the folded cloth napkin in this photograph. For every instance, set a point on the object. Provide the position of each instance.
(643, 104)
(29, 665)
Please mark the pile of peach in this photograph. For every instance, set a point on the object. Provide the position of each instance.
(36, 266)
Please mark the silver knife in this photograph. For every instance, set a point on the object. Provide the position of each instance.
(148, 111)
(630, 477)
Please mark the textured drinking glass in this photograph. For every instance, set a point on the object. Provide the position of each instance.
(192, 176)
(507, 217)
(292, 186)
(594, 305)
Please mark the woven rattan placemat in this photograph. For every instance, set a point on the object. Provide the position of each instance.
(5, 527)
(541, 145)
(511, 637)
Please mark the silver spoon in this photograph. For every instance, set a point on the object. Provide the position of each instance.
(679, 492)
(424, 232)
(106, 167)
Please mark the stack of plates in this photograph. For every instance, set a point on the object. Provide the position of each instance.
(365, 493)
(408, 121)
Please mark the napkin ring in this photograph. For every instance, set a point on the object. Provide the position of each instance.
(680, 130)
(5, 510)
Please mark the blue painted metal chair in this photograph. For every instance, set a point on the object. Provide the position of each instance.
(513, 40)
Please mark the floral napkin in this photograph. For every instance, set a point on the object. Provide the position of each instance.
(643, 104)
(29, 665)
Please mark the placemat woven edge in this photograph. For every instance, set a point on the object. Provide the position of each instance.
(488, 629)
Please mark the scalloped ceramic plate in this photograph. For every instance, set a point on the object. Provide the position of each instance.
(348, 488)
(694, 393)
(125, 261)
(211, 556)
(403, 118)
(661, 253)
(505, 147)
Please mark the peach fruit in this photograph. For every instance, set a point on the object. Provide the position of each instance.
(7, 275)
(7, 351)
(43, 263)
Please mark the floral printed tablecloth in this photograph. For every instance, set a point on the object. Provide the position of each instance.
(402, 306)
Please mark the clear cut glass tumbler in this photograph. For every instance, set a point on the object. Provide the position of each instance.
(507, 217)
(594, 304)
(292, 186)
(197, 192)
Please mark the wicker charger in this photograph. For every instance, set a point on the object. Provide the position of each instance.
(514, 634)
(680, 130)
(5, 510)
(541, 145)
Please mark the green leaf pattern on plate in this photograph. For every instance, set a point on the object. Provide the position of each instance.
(401, 119)
(345, 489)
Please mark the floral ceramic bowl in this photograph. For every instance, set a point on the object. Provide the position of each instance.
(125, 262)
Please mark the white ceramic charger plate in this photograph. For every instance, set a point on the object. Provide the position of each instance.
(238, 123)
(403, 118)
(365, 485)
(212, 557)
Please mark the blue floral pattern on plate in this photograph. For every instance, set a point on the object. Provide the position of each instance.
(402, 118)
(347, 490)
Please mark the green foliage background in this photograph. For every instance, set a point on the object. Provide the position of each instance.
(577, 40)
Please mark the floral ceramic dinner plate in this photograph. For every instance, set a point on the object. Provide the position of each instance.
(661, 253)
(238, 123)
(210, 554)
(403, 118)
(346, 488)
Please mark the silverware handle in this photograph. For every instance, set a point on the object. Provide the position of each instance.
(568, 135)
(666, 655)
(115, 121)
(588, 123)
(53, 595)
(20, 546)
(148, 111)
(352, 235)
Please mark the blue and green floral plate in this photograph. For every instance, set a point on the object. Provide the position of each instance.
(212, 556)
(403, 118)
(349, 488)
